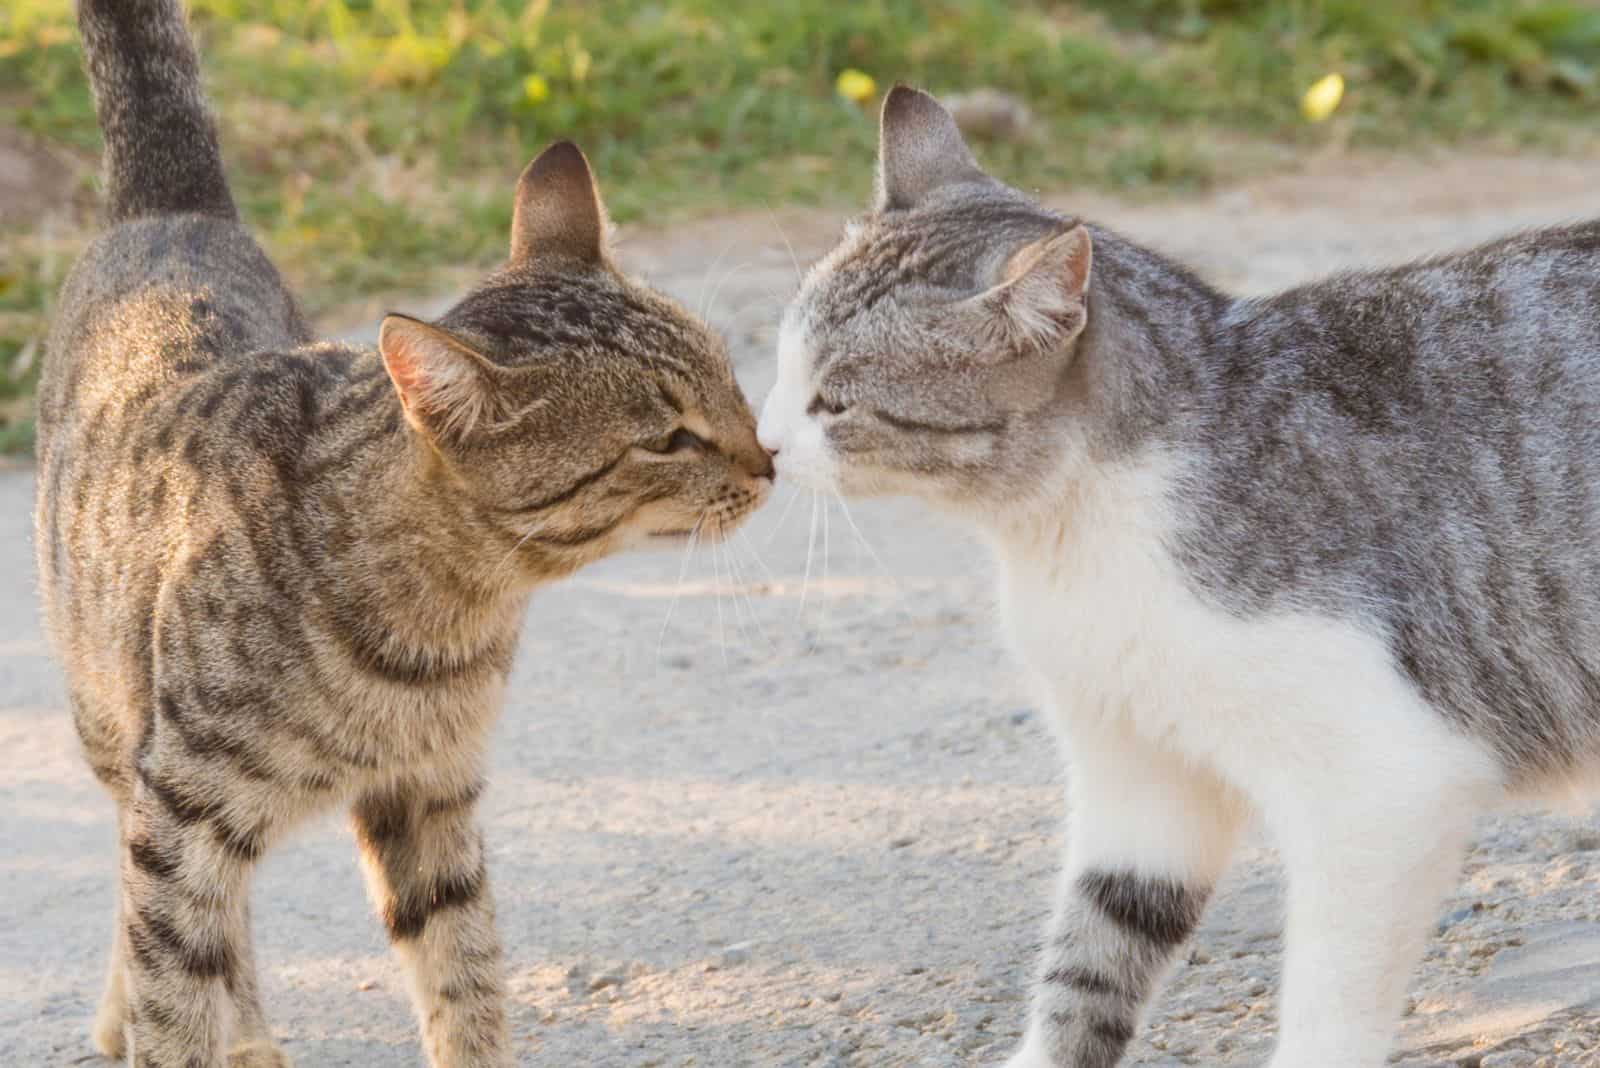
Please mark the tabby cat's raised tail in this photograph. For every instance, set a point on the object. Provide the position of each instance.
(161, 154)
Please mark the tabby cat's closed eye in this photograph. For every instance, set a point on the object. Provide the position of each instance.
(680, 440)
(819, 403)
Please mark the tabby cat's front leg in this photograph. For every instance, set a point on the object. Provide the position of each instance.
(423, 855)
(1147, 837)
(186, 864)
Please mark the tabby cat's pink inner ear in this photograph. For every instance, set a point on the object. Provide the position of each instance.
(444, 386)
(558, 213)
(920, 149)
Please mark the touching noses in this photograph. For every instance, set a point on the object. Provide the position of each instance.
(756, 458)
(762, 466)
(767, 432)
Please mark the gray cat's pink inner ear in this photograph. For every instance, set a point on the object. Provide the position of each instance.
(441, 382)
(920, 149)
(558, 213)
(1038, 302)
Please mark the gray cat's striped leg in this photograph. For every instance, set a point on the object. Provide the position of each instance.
(425, 869)
(1147, 837)
(185, 874)
(112, 1016)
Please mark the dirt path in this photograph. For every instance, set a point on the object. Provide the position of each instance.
(809, 821)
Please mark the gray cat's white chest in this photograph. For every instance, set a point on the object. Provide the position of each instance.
(1108, 627)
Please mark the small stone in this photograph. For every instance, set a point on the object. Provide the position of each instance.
(732, 956)
(605, 979)
(1459, 916)
(1584, 840)
(367, 984)
(902, 842)
(1509, 1058)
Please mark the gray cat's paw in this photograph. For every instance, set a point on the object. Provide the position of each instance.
(257, 1053)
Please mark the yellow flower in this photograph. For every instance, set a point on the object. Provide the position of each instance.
(535, 89)
(855, 85)
(1322, 98)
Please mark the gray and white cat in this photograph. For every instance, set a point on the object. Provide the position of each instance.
(1328, 558)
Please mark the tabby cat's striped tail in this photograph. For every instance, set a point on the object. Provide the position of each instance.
(161, 153)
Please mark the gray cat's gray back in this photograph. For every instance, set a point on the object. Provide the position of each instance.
(1420, 447)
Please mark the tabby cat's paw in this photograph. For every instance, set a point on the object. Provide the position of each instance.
(257, 1053)
(107, 1033)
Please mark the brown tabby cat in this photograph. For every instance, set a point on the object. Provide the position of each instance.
(284, 574)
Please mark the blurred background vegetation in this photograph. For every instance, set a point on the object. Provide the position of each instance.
(374, 143)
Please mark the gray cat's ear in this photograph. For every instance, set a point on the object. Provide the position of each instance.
(445, 387)
(558, 213)
(919, 149)
(1040, 300)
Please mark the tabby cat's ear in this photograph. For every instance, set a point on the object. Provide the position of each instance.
(919, 149)
(558, 214)
(1039, 303)
(445, 387)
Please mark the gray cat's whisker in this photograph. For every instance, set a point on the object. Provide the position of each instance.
(861, 538)
(827, 552)
(799, 275)
(811, 546)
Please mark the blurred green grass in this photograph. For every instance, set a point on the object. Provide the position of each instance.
(374, 142)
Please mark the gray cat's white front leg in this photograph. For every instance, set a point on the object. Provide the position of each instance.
(1366, 876)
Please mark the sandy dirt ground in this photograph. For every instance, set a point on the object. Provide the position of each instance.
(784, 812)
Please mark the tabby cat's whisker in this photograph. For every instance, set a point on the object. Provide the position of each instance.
(683, 569)
(720, 554)
(501, 566)
(794, 495)
(716, 587)
(743, 587)
(729, 273)
(711, 272)
(755, 554)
